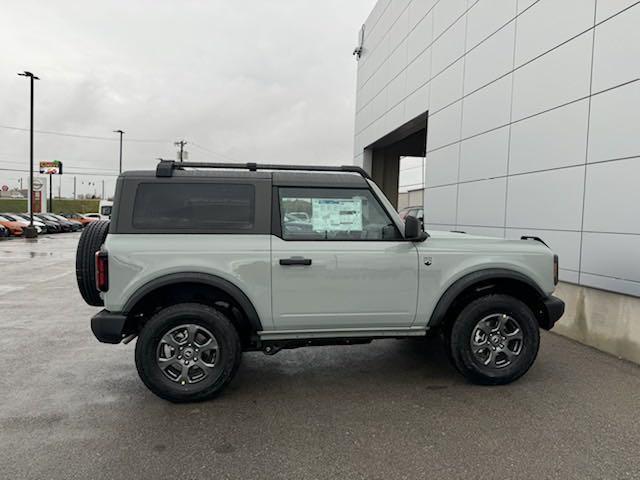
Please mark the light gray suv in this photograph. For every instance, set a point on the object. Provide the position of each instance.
(202, 265)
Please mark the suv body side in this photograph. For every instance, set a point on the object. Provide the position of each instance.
(381, 287)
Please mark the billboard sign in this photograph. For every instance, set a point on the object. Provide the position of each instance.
(51, 168)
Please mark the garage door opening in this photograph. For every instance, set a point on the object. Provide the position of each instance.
(382, 158)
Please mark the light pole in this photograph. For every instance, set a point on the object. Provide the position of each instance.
(121, 133)
(30, 231)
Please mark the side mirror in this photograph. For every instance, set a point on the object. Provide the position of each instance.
(413, 230)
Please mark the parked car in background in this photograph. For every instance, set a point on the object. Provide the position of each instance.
(15, 228)
(76, 224)
(65, 225)
(417, 212)
(40, 226)
(52, 227)
(95, 216)
(4, 232)
(77, 217)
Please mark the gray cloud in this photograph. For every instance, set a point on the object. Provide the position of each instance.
(254, 80)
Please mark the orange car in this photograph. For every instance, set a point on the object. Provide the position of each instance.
(15, 228)
(76, 217)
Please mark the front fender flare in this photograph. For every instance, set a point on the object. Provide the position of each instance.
(463, 283)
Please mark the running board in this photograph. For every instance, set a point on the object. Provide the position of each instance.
(342, 333)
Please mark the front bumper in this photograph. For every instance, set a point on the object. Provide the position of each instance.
(553, 309)
(108, 327)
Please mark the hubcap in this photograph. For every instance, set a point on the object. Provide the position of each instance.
(497, 340)
(187, 354)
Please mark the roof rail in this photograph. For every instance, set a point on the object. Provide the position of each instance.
(165, 168)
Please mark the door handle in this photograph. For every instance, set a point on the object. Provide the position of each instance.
(295, 261)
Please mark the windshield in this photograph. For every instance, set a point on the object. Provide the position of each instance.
(387, 205)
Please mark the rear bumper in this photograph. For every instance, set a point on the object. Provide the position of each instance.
(554, 309)
(108, 327)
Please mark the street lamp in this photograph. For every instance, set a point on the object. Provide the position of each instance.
(121, 133)
(30, 231)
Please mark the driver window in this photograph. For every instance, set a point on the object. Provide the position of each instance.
(333, 214)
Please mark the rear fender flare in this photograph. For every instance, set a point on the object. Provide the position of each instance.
(202, 278)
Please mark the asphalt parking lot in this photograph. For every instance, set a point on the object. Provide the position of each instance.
(73, 408)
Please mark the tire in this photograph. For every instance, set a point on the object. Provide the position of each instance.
(168, 382)
(90, 242)
(486, 347)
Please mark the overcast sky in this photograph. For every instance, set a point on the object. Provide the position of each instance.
(252, 80)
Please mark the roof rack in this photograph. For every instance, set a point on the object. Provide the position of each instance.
(166, 167)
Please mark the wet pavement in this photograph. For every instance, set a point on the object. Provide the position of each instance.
(73, 408)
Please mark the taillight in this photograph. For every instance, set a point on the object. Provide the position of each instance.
(102, 271)
(556, 270)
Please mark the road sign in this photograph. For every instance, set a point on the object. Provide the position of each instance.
(5, 188)
(51, 168)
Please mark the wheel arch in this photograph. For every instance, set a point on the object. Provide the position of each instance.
(177, 287)
(485, 282)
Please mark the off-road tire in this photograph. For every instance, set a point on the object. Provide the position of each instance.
(460, 336)
(228, 360)
(92, 238)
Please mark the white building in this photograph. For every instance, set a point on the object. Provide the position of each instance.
(528, 113)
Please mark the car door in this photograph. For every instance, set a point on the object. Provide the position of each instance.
(339, 262)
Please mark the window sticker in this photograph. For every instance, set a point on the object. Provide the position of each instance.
(336, 215)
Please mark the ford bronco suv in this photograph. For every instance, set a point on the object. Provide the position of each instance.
(204, 261)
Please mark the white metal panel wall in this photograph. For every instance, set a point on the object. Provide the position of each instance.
(534, 111)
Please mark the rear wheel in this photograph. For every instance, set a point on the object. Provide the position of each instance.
(494, 340)
(188, 352)
(90, 242)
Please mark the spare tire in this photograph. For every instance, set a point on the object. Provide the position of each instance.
(92, 238)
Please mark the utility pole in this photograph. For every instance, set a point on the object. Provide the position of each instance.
(121, 133)
(30, 231)
(102, 190)
(74, 187)
(181, 144)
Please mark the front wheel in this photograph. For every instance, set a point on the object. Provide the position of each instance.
(494, 340)
(187, 352)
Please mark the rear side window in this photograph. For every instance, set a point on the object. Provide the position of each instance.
(201, 206)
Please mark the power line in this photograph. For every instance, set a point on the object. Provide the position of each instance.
(93, 174)
(66, 166)
(213, 152)
(88, 137)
